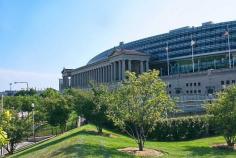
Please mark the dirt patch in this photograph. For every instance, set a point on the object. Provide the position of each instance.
(104, 134)
(144, 153)
(224, 147)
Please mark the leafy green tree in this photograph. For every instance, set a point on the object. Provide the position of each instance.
(98, 107)
(224, 111)
(3, 137)
(5, 117)
(89, 105)
(138, 104)
(56, 108)
(30, 92)
(50, 92)
(17, 129)
(13, 102)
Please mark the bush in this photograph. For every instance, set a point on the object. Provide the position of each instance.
(184, 128)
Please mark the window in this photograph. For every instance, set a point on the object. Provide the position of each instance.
(195, 84)
(191, 84)
(222, 82)
(199, 91)
(187, 92)
(199, 84)
(169, 85)
(233, 81)
(227, 82)
(195, 91)
(177, 91)
(186, 84)
(191, 91)
(169, 92)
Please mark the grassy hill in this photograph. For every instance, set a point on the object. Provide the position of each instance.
(83, 142)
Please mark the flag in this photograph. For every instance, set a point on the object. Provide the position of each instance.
(192, 42)
(226, 33)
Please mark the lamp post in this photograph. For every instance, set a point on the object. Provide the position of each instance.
(27, 84)
(32, 105)
(10, 86)
(2, 103)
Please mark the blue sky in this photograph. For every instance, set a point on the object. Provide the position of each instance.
(40, 37)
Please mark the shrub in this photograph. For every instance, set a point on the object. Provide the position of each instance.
(184, 128)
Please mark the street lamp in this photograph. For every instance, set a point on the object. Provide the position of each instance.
(10, 86)
(2, 103)
(27, 84)
(32, 105)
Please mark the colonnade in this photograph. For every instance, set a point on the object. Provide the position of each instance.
(107, 72)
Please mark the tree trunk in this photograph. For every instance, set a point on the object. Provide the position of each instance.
(99, 129)
(11, 148)
(230, 143)
(140, 145)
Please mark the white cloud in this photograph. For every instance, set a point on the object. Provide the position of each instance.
(35, 79)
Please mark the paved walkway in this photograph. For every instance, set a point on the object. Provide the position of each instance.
(25, 144)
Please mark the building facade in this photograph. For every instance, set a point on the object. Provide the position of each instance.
(195, 62)
(108, 71)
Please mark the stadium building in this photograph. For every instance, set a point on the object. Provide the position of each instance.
(195, 62)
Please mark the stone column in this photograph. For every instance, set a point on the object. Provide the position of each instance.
(141, 67)
(95, 75)
(111, 73)
(82, 79)
(122, 69)
(99, 75)
(105, 73)
(129, 65)
(75, 80)
(115, 71)
(147, 65)
(108, 73)
(119, 70)
(79, 80)
(102, 76)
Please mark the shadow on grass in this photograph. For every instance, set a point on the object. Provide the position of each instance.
(80, 150)
(208, 151)
(46, 144)
(89, 150)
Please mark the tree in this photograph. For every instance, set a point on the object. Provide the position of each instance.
(88, 104)
(30, 92)
(3, 137)
(138, 104)
(224, 111)
(16, 129)
(55, 108)
(98, 114)
(13, 102)
(5, 117)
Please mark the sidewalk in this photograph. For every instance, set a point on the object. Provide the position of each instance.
(26, 144)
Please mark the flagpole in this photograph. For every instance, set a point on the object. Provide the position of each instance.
(192, 52)
(167, 58)
(229, 47)
(2, 103)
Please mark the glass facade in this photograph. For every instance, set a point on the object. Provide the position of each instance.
(209, 51)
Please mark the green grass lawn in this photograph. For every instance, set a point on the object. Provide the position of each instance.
(83, 142)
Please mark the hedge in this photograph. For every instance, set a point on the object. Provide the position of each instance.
(184, 128)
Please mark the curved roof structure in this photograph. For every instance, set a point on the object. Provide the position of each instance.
(208, 37)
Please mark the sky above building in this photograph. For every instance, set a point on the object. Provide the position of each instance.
(40, 37)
